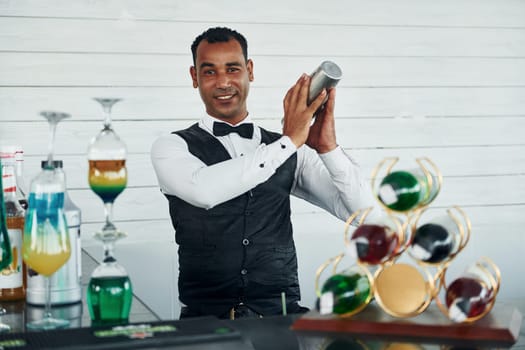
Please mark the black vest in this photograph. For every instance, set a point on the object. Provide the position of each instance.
(241, 250)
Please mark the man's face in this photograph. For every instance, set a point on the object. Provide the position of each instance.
(223, 78)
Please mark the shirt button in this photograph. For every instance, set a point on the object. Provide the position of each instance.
(244, 272)
(261, 165)
(245, 242)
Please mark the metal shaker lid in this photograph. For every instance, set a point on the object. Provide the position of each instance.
(331, 69)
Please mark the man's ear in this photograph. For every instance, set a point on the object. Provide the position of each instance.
(249, 66)
(193, 73)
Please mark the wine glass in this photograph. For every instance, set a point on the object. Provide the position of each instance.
(107, 166)
(109, 292)
(5, 245)
(46, 244)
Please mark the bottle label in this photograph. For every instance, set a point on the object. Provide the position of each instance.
(12, 275)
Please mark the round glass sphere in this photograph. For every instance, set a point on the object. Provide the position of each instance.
(374, 244)
(432, 243)
(345, 293)
(467, 297)
(400, 191)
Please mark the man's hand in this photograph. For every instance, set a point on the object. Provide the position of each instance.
(322, 132)
(298, 115)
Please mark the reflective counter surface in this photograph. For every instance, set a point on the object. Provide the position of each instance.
(18, 313)
(272, 333)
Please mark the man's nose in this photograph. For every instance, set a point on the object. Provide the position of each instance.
(223, 81)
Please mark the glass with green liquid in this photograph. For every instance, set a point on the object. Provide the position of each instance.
(109, 294)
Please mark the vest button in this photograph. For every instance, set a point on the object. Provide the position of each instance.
(245, 242)
(244, 272)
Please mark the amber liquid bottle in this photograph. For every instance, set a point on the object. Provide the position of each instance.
(13, 277)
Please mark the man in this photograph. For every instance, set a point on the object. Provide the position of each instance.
(229, 192)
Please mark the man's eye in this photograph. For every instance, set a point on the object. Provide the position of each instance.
(233, 70)
(208, 72)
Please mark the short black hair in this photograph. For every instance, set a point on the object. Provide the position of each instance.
(219, 35)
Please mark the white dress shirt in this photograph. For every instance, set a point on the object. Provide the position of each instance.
(332, 180)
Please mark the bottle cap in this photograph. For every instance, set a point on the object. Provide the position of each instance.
(56, 164)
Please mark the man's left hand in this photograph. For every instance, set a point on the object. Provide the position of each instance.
(322, 132)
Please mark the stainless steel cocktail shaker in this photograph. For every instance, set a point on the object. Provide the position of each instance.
(327, 75)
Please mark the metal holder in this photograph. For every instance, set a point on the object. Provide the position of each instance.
(406, 290)
(484, 274)
(390, 227)
(456, 226)
(427, 180)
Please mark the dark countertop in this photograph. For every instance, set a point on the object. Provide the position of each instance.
(19, 313)
(269, 333)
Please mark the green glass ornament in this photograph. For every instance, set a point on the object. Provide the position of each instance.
(345, 293)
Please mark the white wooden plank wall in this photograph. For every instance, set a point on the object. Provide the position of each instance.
(443, 79)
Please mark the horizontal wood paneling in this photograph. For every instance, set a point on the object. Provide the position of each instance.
(452, 162)
(143, 203)
(63, 69)
(183, 103)
(485, 13)
(74, 137)
(48, 34)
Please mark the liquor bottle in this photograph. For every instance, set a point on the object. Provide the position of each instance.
(12, 277)
(345, 293)
(373, 243)
(65, 283)
(5, 242)
(471, 295)
(21, 189)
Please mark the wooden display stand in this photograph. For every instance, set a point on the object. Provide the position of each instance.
(500, 328)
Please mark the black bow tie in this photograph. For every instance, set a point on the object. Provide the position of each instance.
(223, 129)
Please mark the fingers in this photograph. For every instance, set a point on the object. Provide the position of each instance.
(293, 95)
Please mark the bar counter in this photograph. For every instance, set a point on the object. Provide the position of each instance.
(147, 331)
(19, 313)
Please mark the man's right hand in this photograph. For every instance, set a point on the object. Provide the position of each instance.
(297, 114)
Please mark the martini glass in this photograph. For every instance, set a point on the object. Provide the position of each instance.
(46, 244)
(109, 292)
(5, 246)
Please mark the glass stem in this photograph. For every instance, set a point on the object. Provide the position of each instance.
(50, 148)
(47, 310)
(109, 247)
(107, 116)
(108, 212)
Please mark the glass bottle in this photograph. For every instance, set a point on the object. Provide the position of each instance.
(65, 283)
(21, 189)
(12, 277)
(5, 246)
(472, 295)
(405, 190)
(345, 293)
